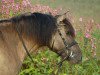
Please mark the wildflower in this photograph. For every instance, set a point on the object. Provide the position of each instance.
(11, 1)
(80, 19)
(87, 35)
(98, 26)
(7, 12)
(3, 0)
(92, 21)
(17, 7)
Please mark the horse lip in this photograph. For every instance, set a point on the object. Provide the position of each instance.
(70, 59)
(79, 61)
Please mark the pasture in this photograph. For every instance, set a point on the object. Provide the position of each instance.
(85, 17)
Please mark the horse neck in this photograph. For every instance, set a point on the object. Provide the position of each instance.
(30, 45)
(12, 52)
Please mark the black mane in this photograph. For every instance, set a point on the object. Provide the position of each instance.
(38, 26)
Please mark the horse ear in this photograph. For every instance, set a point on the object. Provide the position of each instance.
(62, 17)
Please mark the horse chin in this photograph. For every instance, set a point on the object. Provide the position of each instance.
(74, 61)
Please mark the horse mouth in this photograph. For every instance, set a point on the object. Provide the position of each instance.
(75, 61)
(72, 59)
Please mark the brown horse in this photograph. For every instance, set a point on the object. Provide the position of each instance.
(36, 30)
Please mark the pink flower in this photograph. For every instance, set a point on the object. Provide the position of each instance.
(12, 1)
(87, 35)
(80, 19)
(3, 0)
(7, 12)
(92, 21)
(98, 26)
(26, 3)
(17, 7)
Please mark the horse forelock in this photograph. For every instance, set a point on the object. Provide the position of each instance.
(39, 27)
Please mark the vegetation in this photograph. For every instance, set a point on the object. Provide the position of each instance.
(87, 26)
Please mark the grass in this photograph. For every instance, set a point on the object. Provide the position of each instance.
(40, 67)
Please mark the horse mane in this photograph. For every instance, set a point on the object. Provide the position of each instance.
(36, 26)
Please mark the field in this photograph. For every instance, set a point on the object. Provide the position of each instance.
(85, 17)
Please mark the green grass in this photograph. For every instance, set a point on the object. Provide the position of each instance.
(49, 67)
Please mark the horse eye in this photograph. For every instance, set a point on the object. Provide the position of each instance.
(68, 33)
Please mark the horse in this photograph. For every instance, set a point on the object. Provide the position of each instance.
(31, 31)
